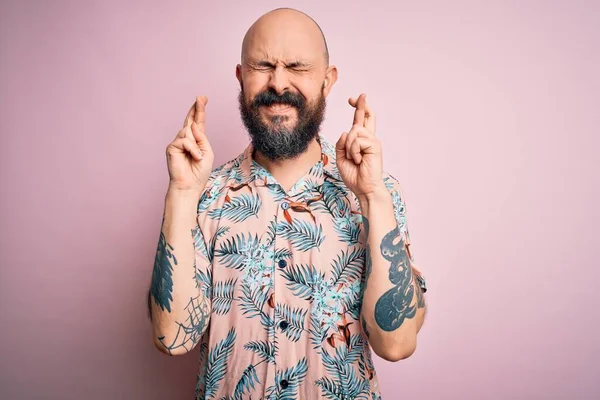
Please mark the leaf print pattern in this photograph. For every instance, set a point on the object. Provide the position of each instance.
(343, 381)
(234, 252)
(293, 376)
(238, 209)
(285, 276)
(294, 318)
(217, 363)
(301, 234)
(246, 383)
(223, 296)
(264, 349)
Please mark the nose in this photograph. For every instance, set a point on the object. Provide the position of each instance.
(279, 80)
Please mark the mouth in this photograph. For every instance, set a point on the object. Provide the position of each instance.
(278, 108)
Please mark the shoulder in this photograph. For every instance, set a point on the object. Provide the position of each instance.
(219, 179)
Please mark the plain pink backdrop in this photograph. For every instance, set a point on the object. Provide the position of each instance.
(489, 115)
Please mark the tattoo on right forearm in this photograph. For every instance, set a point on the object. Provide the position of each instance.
(162, 275)
(190, 332)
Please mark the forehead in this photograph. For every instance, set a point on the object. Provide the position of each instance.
(278, 42)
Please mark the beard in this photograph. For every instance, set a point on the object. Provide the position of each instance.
(273, 140)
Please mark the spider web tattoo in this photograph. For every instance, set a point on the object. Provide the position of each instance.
(190, 331)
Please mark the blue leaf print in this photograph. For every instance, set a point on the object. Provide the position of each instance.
(201, 377)
(282, 254)
(347, 230)
(238, 209)
(333, 199)
(271, 231)
(301, 280)
(234, 251)
(217, 363)
(252, 302)
(211, 245)
(295, 319)
(348, 266)
(389, 182)
(265, 350)
(223, 296)
(317, 332)
(329, 389)
(246, 383)
(199, 244)
(209, 197)
(344, 382)
(204, 281)
(303, 235)
(277, 192)
(294, 376)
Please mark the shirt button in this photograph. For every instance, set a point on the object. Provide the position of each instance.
(283, 325)
(284, 383)
(285, 205)
(282, 263)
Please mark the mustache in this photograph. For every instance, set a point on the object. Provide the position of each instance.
(268, 98)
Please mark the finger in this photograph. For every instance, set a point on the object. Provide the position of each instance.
(361, 142)
(200, 115)
(191, 147)
(352, 135)
(189, 118)
(355, 151)
(366, 145)
(359, 113)
(187, 130)
(340, 146)
(369, 117)
(201, 139)
(364, 133)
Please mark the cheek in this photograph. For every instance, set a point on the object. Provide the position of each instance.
(254, 83)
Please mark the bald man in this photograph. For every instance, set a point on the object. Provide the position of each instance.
(288, 264)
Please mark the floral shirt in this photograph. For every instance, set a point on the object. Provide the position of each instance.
(285, 275)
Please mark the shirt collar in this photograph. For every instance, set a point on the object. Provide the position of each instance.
(253, 173)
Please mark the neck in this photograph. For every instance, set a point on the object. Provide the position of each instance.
(288, 172)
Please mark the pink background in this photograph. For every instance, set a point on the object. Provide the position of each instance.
(489, 113)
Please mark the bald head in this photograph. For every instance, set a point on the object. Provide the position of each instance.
(284, 32)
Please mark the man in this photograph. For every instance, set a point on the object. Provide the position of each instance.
(287, 262)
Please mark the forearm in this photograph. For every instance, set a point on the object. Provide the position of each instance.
(393, 306)
(177, 304)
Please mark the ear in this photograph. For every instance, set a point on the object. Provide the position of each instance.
(330, 78)
(238, 73)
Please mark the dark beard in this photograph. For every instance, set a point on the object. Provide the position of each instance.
(276, 142)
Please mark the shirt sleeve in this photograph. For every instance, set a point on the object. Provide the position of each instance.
(395, 190)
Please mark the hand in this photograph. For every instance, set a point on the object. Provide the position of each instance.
(358, 152)
(190, 157)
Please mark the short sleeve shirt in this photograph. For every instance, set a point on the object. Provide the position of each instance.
(285, 275)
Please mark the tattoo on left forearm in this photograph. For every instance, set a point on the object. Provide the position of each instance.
(394, 306)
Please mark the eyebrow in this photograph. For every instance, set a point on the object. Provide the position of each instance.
(294, 64)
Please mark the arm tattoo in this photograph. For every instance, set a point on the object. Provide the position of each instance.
(162, 276)
(395, 305)
(190, 332)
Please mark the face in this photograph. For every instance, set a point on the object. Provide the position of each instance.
(284, 81)
(281, 126)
